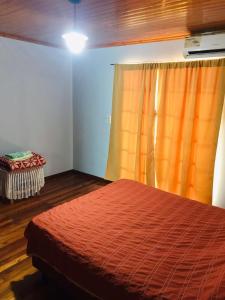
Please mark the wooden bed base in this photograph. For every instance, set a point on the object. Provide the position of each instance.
(71, 290)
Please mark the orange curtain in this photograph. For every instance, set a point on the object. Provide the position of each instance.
(131, 148)
(190, 99)
(165, 124)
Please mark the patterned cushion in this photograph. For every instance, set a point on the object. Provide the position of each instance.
(35, 161)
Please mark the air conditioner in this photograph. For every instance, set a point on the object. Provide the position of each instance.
(205, 45)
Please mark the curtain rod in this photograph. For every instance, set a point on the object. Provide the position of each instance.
(204, 62)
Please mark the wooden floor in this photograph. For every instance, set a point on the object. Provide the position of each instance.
(18, 279)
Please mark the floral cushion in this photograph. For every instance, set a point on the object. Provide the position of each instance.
(35, 161)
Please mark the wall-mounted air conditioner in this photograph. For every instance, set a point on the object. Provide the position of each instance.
(205, 45)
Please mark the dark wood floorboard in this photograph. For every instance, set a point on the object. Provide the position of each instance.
(18, 278)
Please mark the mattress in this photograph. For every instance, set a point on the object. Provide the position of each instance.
(130, 241)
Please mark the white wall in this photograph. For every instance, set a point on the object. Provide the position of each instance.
(93, 80)
(219, 174)
(36, 102)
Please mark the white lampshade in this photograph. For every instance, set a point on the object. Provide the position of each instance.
(75, 41)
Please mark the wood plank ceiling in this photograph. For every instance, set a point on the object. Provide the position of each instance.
(109, 22)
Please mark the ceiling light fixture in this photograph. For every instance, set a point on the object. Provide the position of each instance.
(75, 41)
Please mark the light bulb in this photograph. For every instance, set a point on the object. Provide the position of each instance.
(75, 41)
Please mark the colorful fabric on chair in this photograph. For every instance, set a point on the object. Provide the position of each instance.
(35, 161)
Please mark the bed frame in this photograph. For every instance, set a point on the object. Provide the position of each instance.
(71, 290)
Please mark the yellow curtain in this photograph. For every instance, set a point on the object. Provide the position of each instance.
(190, 99)
(131, 148)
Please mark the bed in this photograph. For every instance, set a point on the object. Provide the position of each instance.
(129, 241)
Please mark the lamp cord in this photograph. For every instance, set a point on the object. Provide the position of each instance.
(74, 16)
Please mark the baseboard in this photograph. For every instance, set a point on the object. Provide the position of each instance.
(79, 173)
(59, 174)
(89, 175)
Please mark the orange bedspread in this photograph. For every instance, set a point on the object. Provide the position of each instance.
(129, 241)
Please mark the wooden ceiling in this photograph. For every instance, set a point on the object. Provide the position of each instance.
(109, 22)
